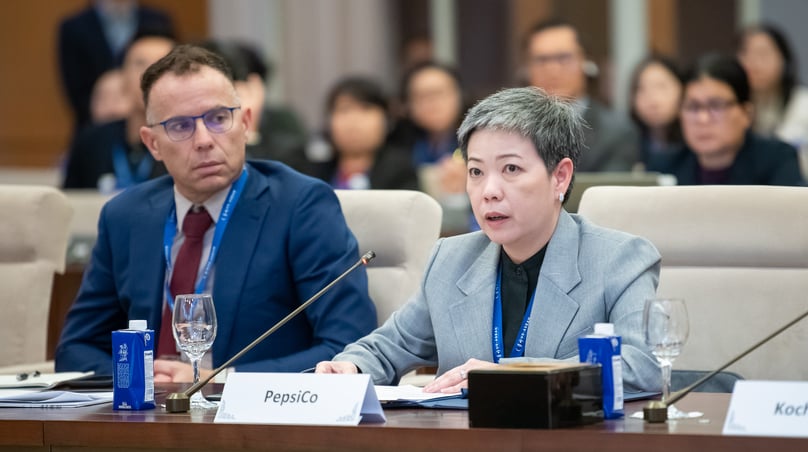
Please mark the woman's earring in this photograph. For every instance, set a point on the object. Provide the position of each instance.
(561, 198)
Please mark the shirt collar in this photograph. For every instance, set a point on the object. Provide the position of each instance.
(213, 205)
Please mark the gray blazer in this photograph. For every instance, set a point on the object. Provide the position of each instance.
(590, 274)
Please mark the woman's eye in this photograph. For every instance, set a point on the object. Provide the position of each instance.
(511, 168)
(474, 172)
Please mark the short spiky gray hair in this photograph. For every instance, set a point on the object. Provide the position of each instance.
(553, 125)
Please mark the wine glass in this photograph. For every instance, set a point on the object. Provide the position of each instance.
(666, 328)
(194, 331)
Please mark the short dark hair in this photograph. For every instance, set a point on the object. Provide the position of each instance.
(552, 23)
(363, 89)
(723, 68)
(404, 89)
(788, 78)
(183, 59)
(243, 58)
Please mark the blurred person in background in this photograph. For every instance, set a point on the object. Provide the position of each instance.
(361, 157)
(111, 156)
(275, 133)
(781, 104)
(557, 63)
(432, 96)
(109, 101)
(94, 40)
(716, 121)
(656, 94)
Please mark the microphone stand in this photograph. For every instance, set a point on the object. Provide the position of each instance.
(657, 410)
(180, 402)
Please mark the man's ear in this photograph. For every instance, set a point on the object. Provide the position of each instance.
(149, 138)
(246, 119)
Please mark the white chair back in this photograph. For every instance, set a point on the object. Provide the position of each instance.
(401, 227)
(738, 255)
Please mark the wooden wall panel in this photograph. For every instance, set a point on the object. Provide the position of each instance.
(35, 121)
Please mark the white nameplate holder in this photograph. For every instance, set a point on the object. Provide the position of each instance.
(304, 399)
(768, 408)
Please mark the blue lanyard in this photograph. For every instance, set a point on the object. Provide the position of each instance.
(224, 217)
(496, 335)
(123, 171)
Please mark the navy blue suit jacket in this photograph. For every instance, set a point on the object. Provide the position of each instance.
(287, 239)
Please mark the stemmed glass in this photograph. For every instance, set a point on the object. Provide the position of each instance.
(194, 331)
(666, 328)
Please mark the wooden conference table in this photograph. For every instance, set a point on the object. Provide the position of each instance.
(100, 428)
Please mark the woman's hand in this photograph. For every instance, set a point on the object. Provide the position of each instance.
(456, 379)
(336, 367)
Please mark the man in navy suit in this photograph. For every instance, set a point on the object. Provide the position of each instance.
(284, 238)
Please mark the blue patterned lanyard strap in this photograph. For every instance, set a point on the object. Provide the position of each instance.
(224, 217)
(496, 334)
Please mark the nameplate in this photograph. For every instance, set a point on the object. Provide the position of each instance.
(305, 399)
(768, 408)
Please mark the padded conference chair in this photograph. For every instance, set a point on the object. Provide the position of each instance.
(33, 242)
(737, 255)
(401, 226)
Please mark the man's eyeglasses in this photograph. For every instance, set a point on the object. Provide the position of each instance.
(217, 120)
(715, 108)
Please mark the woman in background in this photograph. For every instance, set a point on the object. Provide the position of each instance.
(716, 121)
(432, 97)
(656, 93)
(361, 157)
(781, 105)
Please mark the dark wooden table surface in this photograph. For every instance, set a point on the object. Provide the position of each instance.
(100, 428)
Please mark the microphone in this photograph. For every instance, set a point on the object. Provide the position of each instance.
(657, 410)
(180, 402)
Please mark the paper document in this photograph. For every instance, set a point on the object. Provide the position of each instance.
(408, 396)
(37, 380)
(20, 398)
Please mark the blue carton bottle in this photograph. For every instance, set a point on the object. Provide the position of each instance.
(133, 367)
(603, 347)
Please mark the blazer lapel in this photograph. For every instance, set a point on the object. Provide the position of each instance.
(472, 314)
(553, 308)
(235, 254)
(147, 263)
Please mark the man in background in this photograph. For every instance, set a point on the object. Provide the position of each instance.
(556, 62)
(94, 40)
(111, 156)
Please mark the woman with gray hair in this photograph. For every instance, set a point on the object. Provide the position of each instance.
(534, 279)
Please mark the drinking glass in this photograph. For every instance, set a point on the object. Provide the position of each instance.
(666, 328)
(194, 330)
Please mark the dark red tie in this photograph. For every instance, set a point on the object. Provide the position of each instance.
(185, 271)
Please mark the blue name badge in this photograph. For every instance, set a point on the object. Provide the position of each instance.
(303, 399)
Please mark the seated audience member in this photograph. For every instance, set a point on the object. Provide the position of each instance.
(361, 156)
(275, 133)
(656, 94)
(476, 302)
(781, 104)
(556, 62)
(433, 99)
(94, 40)
(716, 121)
(258, 236)
(111, 156)
(110, 101)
